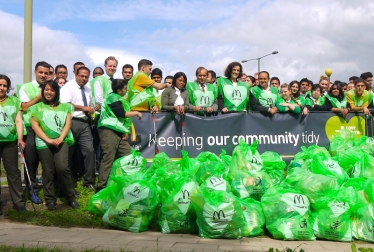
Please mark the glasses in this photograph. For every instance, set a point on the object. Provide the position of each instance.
(83, 76)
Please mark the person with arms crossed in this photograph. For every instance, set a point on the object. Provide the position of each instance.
(11, 136)
(287, 103)
(51, 121)
(359, 99)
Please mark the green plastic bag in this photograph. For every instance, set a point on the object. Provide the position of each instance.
(219, 214)
(342, 141)
(312, 185)
(303, 158)
(287, 214)
(101, 201)
(359, 185)
(246, 157)
(363, 223)
(210, 165)
(332, 215)
(216, 183)
(253, 216)
(324, 165)
(127, 166)
(177, 212)
(366, 144)
(250, 184)
(274, 166)
(134, 206)
(351, 160)
(226, 159)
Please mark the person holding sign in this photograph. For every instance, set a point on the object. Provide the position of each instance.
(51, 121)
(287, 103)
(175, 98)
(202, 95)
(11, 135)
(263, 97)
(232, 93)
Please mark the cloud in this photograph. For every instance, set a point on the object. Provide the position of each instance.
(54, 47)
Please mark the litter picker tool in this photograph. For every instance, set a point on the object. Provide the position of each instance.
(155, 137)
(33, 196)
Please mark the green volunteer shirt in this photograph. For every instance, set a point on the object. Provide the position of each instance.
(31, 91)
(105, 84)
(336, 103)
(234, 98)
(265, 98)
(281, 108)
(8, 112)
(198, 97)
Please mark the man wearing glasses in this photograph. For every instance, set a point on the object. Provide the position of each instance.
(78, 94)
(61, 71)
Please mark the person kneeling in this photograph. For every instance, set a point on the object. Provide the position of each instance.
(51, 121)
(114, 126)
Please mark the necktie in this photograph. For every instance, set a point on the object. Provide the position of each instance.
(111, 79)
(84, 97)
(203, 88)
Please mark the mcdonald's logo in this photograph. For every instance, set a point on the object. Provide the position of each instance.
(235, 93)
(185, 193)
(218, 215)
(258, 181)
(58, 121)
(5, 116)
(269, 101)
(298, 199)
(214, 180)
(204, 98)
(133, 162)
(136, 190)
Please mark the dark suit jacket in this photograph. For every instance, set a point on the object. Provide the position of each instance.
(168, 99)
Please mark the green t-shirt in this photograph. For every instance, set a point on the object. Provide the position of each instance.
(336, 103)
(31, 91)
(281, 108)
(52, 121)
(109, 120)
(8, 112)
(234, 98)
(310, 102)
(106, 86)
(198, 97)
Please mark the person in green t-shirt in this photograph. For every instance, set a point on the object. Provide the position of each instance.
(286, 102)
(114, 127)
(336, 100)
(359, 99)
(11, 135)
(315, 101)
(263, 97)
(294, 88)
(232, 93)
(51, 121)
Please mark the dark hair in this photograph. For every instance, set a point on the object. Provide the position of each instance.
(253, 80)
(118, 84)
(42, 64)
(266, 73)
(156, 71)
(353, 78)
(60, 66)
(102, 70)
(342, 84)
(360, 80)
(315, 87)
(8, 82)
(78, 64)
(212, 73)
(341, 93)
(57, 78)
(275, 78)
(337, 82)
(144, 62)
(128, 66)
(176, 76)
(366, 75)
(305, 80)
(168, 77)
(298, 86)
(83, 68)
(310, 83)
(199, 69)
(229, 68)
(53, 84)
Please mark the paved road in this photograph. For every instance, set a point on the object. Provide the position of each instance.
(13, 234)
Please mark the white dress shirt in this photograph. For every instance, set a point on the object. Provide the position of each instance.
(99, 99)
(22, 94)
(71, 92)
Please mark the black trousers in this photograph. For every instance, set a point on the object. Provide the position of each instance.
(32, 159)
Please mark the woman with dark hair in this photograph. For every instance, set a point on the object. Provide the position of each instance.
(60, 81)
(315, 101)
(295, 92)
(336, 100)
(11, 135)
(114, 126)
(51, 121)
(233, 94)
(175, 98)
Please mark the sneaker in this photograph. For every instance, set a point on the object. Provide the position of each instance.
(51, 206)
(20, 209)
(73, 204)
(34, 198)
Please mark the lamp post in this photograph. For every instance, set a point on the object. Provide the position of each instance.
(259, 58)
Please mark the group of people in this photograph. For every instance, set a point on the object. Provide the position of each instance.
(56, 121)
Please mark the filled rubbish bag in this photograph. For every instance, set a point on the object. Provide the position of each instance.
(253, 216)
(101, 201)
(287, 213)
(219, 214)
(246, 157)
(363, 223)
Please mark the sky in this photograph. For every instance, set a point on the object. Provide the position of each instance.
(183, 35)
